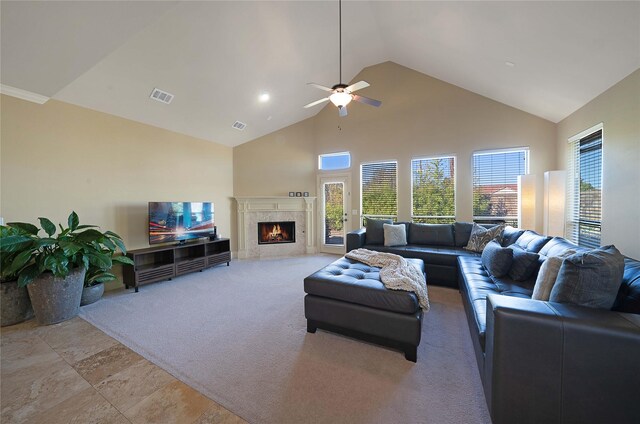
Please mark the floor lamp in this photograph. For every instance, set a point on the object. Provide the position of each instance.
(554, 202)
(527, 202)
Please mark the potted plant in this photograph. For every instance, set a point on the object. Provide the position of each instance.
(97, 275)
(15, 305)
(53, 266)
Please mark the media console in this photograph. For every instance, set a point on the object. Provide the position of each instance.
(165, 262)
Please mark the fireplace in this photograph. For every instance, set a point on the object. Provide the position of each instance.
(276, 232)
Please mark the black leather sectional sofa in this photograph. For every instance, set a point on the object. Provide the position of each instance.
(540, 362)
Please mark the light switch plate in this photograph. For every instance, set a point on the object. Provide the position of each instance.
(354, 212)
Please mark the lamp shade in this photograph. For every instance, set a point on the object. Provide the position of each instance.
(554, 202)
(527, 202)
(340, 98)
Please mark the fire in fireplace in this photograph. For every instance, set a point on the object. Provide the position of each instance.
(276, 232)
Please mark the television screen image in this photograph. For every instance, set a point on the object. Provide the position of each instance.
(179, 221)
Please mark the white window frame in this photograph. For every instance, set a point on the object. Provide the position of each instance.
(455, 185)
(494, 151)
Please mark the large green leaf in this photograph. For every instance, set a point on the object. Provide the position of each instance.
(103, 277)
(14, 243)
(120, 244)
(122, 260)
(47, 241)
(28, 274)
(18, 262)
(82, 227)
(27, 228)
(73, 221)
(48, 226)
(109, 244)
(112, 234)
(100, 260)
(90, 236)
(70, 248)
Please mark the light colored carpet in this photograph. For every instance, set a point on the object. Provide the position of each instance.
(238, 335)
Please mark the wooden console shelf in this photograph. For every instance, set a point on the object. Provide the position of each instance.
(165, 262)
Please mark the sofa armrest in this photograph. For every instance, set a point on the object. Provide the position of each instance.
(356, 239)
(556, 363)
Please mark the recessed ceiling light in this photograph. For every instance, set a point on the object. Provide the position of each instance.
(510, 64)
(264, 97)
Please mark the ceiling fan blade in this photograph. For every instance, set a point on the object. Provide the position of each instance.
(357, 86)
(317, 102)
(321, 87)
(362, 99)
(342, 111)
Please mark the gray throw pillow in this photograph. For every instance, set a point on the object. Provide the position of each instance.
(375, 233)
(394, 235)
(548, 274)
(497, 259)
(590, 278)
(480, 236)
(524, 265)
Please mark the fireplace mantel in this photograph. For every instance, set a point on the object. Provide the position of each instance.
(274, 206)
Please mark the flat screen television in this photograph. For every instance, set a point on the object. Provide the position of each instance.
(179, 221)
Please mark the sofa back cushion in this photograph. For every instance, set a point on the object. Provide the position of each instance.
(375, 232)
(431, 234)
(628, 299)
(461, 233)
(497, 259)
(591, 278)
(510, 235)
(557, 245)
(532, 241)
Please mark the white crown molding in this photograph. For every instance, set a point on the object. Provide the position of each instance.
(23, 94)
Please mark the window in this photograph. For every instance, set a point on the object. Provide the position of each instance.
(495, 184)
(379, 190)
(433, 197)
(585, 190)
(333, 161)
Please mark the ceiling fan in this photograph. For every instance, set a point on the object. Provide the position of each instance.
(342, 94)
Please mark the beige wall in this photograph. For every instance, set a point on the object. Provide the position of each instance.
(58, 157)
(420, 116)
(618, 109)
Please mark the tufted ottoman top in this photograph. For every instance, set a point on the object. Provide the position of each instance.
(355, 282)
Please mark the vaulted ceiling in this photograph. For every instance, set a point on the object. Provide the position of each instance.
(218, 57)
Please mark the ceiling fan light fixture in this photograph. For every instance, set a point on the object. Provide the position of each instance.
(340, 98)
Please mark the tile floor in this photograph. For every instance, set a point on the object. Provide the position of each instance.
(74, 373)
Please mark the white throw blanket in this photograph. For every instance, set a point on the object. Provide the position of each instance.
(395, 273)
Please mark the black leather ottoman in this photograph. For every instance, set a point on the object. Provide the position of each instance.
(347, 297)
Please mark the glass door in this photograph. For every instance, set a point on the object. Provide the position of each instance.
(334, 217)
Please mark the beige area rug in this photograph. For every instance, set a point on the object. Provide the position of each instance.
(238, 335)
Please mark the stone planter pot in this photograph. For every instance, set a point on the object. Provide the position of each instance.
(91, 294)
(56, 299)
(15, 305)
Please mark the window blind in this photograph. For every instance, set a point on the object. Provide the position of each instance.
(433, 190)
(585, 191)
(379, 190)
(495, 184)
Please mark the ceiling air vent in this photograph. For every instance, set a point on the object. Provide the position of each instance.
(161, 96)
(239, 125)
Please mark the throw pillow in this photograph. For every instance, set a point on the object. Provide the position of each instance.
(524, 265)
(497, 259)
(548, 274)
(480, 236)
(590, 278)
(394, 235)
(375, 233)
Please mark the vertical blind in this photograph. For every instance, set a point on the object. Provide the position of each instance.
(433, 190)
(585, 191)
(495, 184)
(379, 190)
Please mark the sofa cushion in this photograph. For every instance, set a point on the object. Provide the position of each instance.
(510, 235)
(628, 299)
(557, 246)
(548, 274)
(375, 230)
(532, 241)
(444, 256)
(461, 233)
(394, 235)
(431, 234)
(355, 282)
(524, 264)
(480, 236)
(497, 259)
(590, 278)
